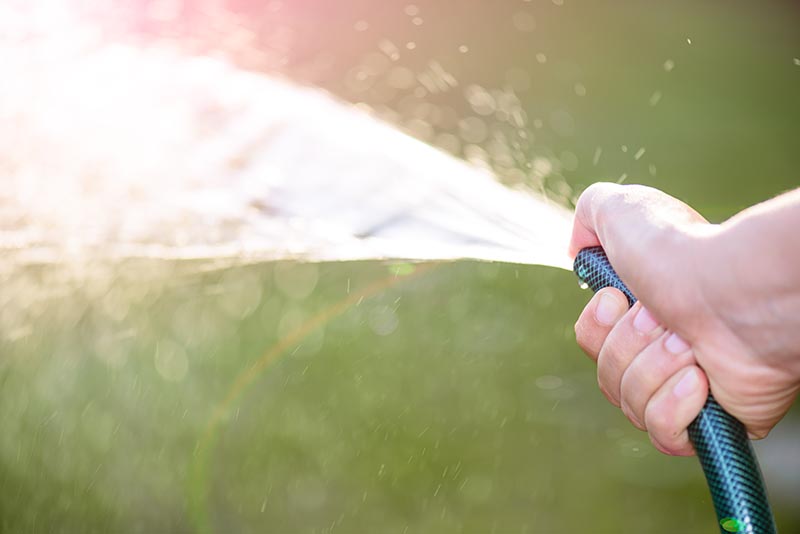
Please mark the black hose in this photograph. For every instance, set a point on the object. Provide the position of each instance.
(720, 440)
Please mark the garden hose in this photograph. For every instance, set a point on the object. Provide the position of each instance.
(720, 440)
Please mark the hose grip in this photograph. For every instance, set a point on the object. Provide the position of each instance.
(720, 440)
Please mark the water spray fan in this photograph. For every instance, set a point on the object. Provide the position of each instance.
(720, 440)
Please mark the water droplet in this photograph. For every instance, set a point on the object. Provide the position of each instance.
(401, 78)
(472, 130)
(524, 21)
(597, 153)
(241, 293)
(411, 10)
(669, 65)
(463, 49)
(171, 361)
(113, 348)
(477, 156)
(389, 48)
(383, 320)
(419, 128)
(481, 101)
(295, 320)
(632, 448)
(296, 280)
(549, 382)
(359, 79)
(541, 168)
(655, 98)
(361, 26)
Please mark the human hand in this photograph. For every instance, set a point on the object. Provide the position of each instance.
(657, 360)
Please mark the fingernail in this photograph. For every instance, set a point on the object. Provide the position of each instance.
(675, 344)
(686, 385)
(608, 310)
(644, 321)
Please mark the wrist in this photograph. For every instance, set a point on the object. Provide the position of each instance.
(746, 283)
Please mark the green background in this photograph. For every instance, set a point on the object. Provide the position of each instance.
(454, 400)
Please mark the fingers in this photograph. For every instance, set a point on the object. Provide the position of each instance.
(584, 233)
(646, 235)
(630, 336)
(676, 404)
(606, 212)
(598, 318)
(649, 372)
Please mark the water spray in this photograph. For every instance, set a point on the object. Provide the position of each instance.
(720, 440)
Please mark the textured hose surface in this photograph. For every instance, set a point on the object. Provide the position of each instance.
(725, 453)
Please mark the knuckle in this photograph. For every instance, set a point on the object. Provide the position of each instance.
(590, 202)
(632, 411)
(656, 444)
(676, 447)
(586, 338)
(606, 392)
(609, 354)
(628, 389)
(595, 188)
(588, 193)
(609, 366)
(631, 415)
(607, 387)
(658, 422)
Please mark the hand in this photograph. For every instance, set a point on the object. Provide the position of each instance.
(657, 360)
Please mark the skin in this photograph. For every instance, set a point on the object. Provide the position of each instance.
(719, 309)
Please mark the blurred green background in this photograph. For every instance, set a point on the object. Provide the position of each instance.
(455, 399)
